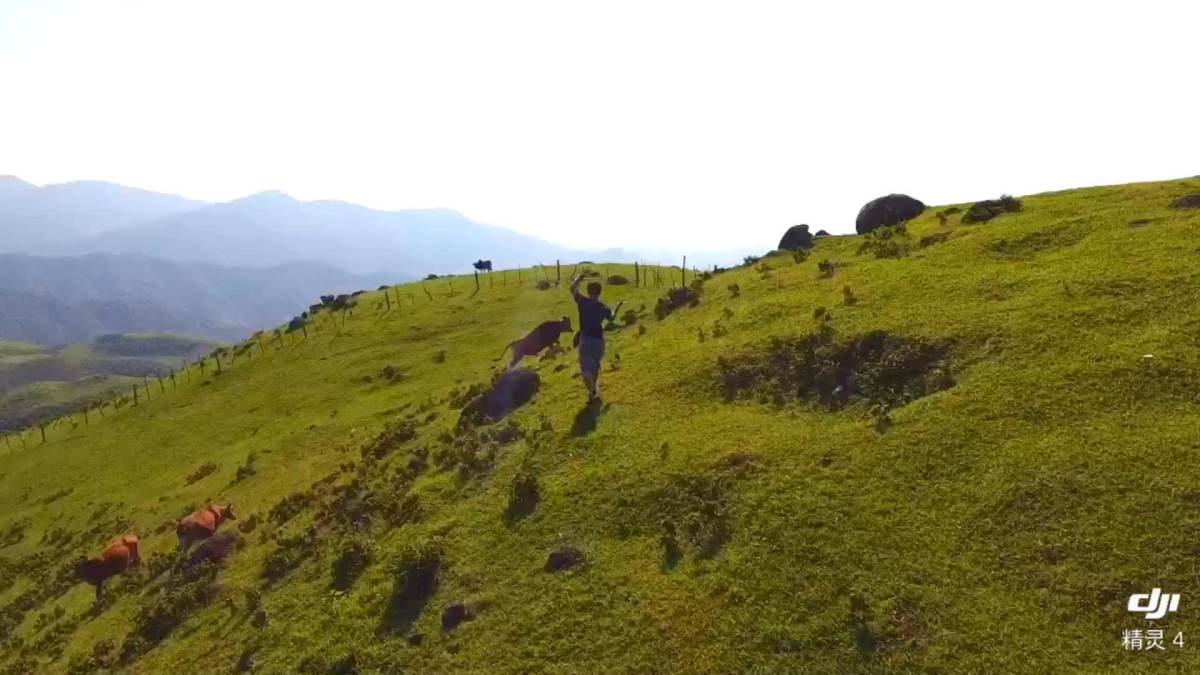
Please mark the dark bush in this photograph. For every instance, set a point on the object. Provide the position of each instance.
(825, 269)
(394, 436)
(848, 297)
(695, 515)
(187, 590)
(350, 563)
(630, 317)
(415, 575)
(886, 242)
(875, 368)
(246, 470)
(290, 507)
(523, 495)
(617, 280)
(981, 212)
(201, 472)
(1187, 202)
(542, 285)
(454, 614)
(289, 553)
(564, 558)
(931, 239)
(676, 298)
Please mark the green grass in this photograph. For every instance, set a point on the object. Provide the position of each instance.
(41, 384)
(996, 526)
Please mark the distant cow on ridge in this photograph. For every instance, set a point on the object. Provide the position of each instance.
(120, 554)
(203, 524)
(539, 338)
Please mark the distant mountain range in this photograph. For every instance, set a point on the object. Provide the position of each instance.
(262, 230)
(60, 300)
(82, 259)
(85, 258)
(33, 219)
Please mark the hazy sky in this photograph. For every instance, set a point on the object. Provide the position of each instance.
(689, 123)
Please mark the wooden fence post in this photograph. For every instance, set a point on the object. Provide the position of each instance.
(426, 289)
(161, 389)
(558, 271)
(387, 298)
(683, 273)
(476, 281)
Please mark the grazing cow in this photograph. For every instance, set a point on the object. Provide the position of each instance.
(539, 338)
(203, 524)
(482, 265)
(118, 556)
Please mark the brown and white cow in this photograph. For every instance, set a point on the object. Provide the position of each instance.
(203, 524)
(120, 555)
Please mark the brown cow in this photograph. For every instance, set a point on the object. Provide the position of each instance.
(203, 524)
(539, 338)
(120, 555)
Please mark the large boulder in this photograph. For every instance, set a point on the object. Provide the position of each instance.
(796, 238)
(887, 211)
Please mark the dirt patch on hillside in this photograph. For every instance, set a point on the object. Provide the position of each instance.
(876, 368)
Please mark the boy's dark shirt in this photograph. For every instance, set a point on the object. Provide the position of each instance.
(592, 315)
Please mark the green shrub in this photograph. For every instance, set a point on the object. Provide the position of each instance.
(415, 576)
(354, 558)
(981, 212)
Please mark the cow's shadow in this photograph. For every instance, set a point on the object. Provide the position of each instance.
(587, 417)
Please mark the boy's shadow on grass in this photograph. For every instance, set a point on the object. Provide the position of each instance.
(587, 417)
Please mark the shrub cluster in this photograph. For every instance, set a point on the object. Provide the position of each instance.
(981, 212)
(876, 368)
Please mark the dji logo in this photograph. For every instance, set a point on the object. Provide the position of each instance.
(1154, 604)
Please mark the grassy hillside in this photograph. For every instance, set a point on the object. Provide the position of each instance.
(966, 463)
(42, 383)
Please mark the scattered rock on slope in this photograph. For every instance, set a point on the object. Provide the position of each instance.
(796, 238)
(887, 211)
